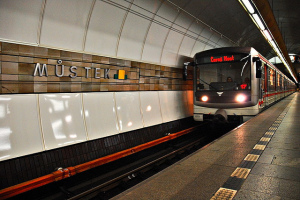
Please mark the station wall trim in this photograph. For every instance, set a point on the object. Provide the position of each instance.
(30, 69)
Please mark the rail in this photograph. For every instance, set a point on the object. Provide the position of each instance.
(71, 171)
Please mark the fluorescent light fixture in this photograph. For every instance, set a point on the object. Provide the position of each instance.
(267, 34)
(273, 44)
(258, 21)
(248, 6)
(265, 31)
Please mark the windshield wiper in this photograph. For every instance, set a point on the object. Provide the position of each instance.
(245, 63)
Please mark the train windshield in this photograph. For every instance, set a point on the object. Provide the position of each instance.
(224, 76)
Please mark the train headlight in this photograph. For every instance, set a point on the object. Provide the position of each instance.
(204, 98)
(241, 98)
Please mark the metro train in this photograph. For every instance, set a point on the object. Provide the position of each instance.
(234, 83)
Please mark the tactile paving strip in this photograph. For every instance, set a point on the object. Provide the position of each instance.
(224, 193)
(237, 178)
(252, 157)
(240, 173)
(259, 147)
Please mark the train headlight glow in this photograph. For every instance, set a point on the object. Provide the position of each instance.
(240, 98)
(204, 98)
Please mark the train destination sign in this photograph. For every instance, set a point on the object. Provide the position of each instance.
(220, 58)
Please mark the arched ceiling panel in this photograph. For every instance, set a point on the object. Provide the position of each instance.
(224, 43)
(153, 45)
(64, 23)
(171, 46)
(206, 34)
(104, 28)
(174, 39)
(189, 40)
(153, 31)
(215, 37)
(199, 46)
(136, 28)
(19, 20)
(157, 33)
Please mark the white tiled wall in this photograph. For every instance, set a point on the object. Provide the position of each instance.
(31, 123)
(62, 119)
(20, 132)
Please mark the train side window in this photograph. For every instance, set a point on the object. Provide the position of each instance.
(263, 77)
(271, 75)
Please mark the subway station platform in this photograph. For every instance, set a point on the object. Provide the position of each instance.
(258, 160)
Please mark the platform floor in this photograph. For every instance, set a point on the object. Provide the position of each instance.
(258, 160)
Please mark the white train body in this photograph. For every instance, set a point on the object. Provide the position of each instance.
(237, 80)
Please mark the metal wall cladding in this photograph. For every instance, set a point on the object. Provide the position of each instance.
(128, 111)
(173, 105)
(100, 114)
(20, 132)
(62, 119)
(32, 123)
(150, 107)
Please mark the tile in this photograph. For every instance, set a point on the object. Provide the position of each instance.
(41, 52)
(62, 119)
(53, 87)
(273, 186)
(23, 59)
(150, 108)
(53, 53)
(9, 68)
(26, 69)
(128, 111)
(18, 139)
(76, 56)
(26, 78)
(40, 87)
(254, 195)
(9, 58)
(100, 114)
(9, 48)
(276, 171)
(26, 50)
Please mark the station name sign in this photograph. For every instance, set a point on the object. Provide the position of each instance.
(42, 70)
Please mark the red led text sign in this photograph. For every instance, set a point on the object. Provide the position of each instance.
(221, 59)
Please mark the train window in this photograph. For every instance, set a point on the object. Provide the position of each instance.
(263, 77)
(224, 76)
(272, 76)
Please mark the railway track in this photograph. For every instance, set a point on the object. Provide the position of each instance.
(136, 172)
(108, 180)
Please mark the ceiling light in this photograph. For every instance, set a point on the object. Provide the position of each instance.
(258, 21)
(273, 44)
(267, 34)
(248, 6)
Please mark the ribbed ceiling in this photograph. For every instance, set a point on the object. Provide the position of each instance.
(158, 31)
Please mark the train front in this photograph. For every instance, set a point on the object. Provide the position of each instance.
(225, 86)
